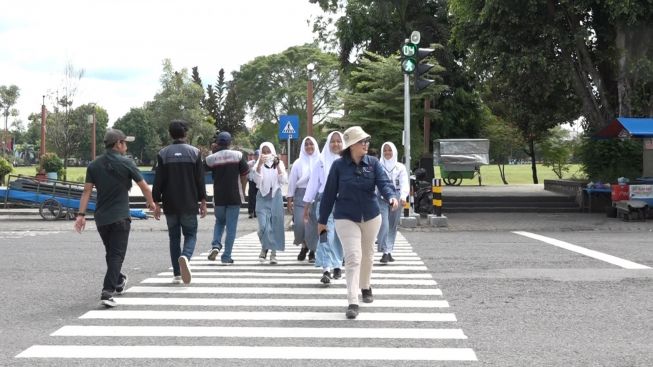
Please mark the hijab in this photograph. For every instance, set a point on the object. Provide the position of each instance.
(268, 174)
(327, 157)
(307, 160)
(389, 164)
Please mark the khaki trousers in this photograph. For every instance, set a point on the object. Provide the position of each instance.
(358, 244)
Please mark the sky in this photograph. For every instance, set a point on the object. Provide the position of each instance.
(120, 44)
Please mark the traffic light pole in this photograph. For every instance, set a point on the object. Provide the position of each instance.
(407, 121)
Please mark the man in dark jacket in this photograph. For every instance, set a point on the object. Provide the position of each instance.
(179, 185)
(230, 171)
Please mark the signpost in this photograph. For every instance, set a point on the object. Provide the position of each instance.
(288, 130)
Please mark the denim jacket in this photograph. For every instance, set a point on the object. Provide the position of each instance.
(350, 187)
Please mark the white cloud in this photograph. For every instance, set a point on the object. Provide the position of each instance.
(121, 43)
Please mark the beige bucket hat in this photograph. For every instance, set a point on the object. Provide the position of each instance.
(353, 135)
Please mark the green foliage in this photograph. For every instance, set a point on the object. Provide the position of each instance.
(607, 160)
(138, 123)
(51, 162)
(556, 151)
(5, 167)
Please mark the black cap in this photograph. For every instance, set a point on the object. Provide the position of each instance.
(223, 139)
(178, 128)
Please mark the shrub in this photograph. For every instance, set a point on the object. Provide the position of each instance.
(50, 162)
(607, 160)
(5, 169)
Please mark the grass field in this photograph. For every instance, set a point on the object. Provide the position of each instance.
(515, 174)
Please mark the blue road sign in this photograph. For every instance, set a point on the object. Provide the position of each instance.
(288, 127)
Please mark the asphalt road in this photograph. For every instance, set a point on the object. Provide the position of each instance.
(518, 301)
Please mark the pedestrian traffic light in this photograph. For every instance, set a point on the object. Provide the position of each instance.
(408, 54)
(422, 82)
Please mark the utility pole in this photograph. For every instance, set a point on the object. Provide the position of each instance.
(43, 114)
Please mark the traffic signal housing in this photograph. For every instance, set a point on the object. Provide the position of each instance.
(421, 68)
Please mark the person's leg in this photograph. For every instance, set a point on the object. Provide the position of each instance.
(115, 237)
(393, 223)
(189, 229)
(369, 230)
(382, 237)
(220, 222)
(231, 218)
(174, 234)
(350, 235)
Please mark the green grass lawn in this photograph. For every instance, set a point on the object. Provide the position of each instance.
(515, 174)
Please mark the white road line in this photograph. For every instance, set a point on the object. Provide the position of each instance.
(260, 332)
(283, 302)
(277, 291)
(199, 280)
(267, 316)
(213, 265)
(158, 301)
(242, 352)
(293, 262)
(584, 251)
(296, 275)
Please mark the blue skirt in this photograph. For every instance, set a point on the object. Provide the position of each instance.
(269, 212)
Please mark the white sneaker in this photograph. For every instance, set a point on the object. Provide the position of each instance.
(273, 257)
(186, 276)
(176, 279)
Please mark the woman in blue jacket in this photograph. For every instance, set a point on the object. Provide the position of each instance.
(351, 187)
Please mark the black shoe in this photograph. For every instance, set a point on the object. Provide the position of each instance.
(107, 300)
(326, 278)
(384, 259)
(120, 289)
(311, 257)
(367, 295)
(227, 261)
(337, 273)
(302, 254)
(263, 255)
(352, 312)
(251, 216)
(390, 259)
(214, 253)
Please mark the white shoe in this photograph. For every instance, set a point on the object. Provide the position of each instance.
(176, 279)
(273, 257)
(186, 276)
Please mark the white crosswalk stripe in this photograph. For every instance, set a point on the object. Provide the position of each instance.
(275, 313)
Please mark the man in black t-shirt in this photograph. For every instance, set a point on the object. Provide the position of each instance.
(230, 169)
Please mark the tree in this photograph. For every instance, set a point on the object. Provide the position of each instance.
(283, 89)
(101, 124)
(557, 150)
(67, 126)
(138, 123)
(505, 140)
(8, 98)
(179, 98)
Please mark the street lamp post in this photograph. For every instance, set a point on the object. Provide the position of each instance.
(309, 100)
(91, 119)
(43, 114)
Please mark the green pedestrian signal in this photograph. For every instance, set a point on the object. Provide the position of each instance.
(408, 60)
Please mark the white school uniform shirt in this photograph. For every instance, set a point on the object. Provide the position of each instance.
(302, 168)
(269, 180)
(396, 171)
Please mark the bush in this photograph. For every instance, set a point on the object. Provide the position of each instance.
(50, 162)
(607, 160)
(5, 169)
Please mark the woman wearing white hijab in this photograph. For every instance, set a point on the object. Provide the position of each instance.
(389, 218)
(329, 254)
(269, 175)
(305, 233)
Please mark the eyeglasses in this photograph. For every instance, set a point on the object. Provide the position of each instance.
(365, 141)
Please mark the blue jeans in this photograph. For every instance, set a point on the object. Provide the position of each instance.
(178, 224)
(225, 216)
(388, 232)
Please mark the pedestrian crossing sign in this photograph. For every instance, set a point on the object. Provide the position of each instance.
(288, 127)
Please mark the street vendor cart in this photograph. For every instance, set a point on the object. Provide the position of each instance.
(460, 159)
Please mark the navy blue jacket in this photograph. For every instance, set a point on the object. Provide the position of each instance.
(351, 188)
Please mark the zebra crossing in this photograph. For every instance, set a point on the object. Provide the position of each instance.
(273, 313)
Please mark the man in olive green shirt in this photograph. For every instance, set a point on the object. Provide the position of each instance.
(112, 175)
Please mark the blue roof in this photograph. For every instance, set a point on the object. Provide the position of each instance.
(628, 126)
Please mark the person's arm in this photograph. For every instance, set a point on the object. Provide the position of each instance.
(145, 189)
(405, 185)
(328, 196)
(282, 173)
(292, 184)
(200, 175)
(385, 186)
(160, 178)
(80, 220)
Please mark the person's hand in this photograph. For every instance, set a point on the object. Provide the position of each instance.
(290, 205)
(203, 209)
(151, 205)
(321, 228)
(402, 202)
(307, 213)
(394, 203)
(80, 224)
(157, 211)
